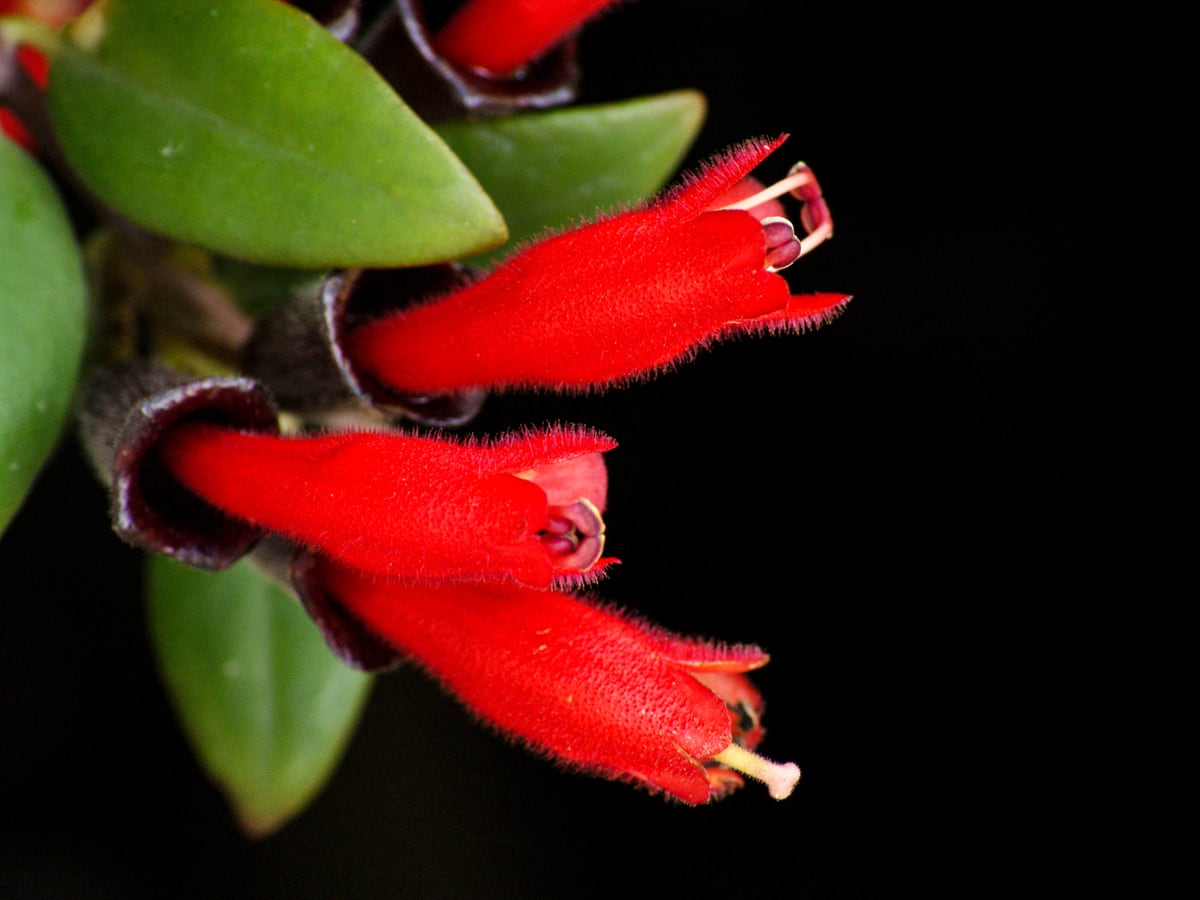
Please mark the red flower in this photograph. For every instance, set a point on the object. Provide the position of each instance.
(620, 298)
(526, 507)
(14, 129)
(590, 687)
(35, 67)
(498, 37)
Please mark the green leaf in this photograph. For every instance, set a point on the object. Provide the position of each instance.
(550, 169)
(43, 311)
(245, 127)
(266, 705)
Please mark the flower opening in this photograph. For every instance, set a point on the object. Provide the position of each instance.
(620, 298)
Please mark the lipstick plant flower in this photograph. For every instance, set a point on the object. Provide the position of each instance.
(526, 507)
(616, 299)
(498, 37)
(593, 688)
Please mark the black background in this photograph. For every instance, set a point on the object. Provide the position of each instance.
(932, 513)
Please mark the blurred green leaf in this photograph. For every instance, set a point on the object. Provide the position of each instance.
(266, 705)
(245, 127)
(550, 169)
(43, 316)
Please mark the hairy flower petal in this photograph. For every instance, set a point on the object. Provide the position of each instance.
(393, 503)
(592, 687)
(501, 36)
(621, 298)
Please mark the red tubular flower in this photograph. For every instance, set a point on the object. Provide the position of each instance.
(35, 67)
(592, 688)
(35, 64)
(526, 507)
(14, 129)
(498, 37)
(620, 298)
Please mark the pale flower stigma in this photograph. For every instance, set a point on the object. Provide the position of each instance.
(780, 778)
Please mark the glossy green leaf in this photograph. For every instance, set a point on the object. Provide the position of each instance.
(265, 704)
(551, 169)
(245, 127)
(42, 321)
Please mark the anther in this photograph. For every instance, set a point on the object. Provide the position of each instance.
(815, 218)
(783, 248)
(574, 535)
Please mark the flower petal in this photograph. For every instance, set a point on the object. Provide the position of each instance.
(614, 300)
(383, 502)
(577, 681)
(706, 188)
(501, 36)
(803, 312)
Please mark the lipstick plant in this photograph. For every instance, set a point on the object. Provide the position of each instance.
(307, 240)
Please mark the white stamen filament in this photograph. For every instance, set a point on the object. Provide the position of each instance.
(780, 778)
(801, 176)
(798, 180)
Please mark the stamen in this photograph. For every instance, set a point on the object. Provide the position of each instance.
(557, 525)
(560, 545)
(574, 535)
(782, 247)
(780, 778)
(589, 550)
(814, 212)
